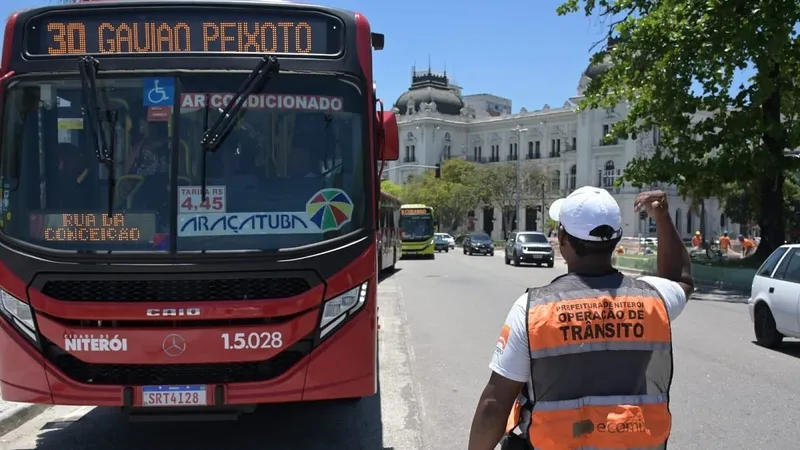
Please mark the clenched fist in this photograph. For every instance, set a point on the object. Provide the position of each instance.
(654, 202)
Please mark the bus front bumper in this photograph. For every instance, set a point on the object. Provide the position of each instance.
(27, 376)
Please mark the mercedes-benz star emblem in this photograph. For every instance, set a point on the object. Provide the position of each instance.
(174, 345)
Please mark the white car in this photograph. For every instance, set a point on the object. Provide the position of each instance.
(774, 302)
(449, 239)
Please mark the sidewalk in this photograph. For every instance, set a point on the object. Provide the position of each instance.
(13, 414)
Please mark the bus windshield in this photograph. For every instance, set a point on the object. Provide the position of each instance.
(416, 227)
(292, 172)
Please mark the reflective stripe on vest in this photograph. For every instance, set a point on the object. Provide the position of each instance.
(589, 337)
(613, 422)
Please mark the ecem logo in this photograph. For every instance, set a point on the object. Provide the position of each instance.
(588, 427)
(502, 340)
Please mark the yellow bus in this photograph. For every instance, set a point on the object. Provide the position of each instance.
(417, 226)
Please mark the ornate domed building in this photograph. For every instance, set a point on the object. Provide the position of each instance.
(436, 122)
(432, 92)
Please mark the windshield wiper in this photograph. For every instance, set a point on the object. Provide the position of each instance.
(97, 115)
(219, 131)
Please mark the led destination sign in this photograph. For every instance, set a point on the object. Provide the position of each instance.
(104, 31)
(130, 228)
(414, 212)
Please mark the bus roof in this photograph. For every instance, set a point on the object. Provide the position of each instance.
(415, 205)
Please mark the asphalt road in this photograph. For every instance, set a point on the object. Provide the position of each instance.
(440, 320)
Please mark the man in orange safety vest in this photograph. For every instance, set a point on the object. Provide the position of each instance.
(586, 361)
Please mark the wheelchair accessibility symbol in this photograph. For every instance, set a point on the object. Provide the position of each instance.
(158, 91)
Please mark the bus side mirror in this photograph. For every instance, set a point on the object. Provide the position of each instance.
(390, 143)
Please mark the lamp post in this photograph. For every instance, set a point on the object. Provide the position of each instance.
(519, 130)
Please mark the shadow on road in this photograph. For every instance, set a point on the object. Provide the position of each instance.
(323, 425)
(386, 274)
(289, 426)
(790, 348)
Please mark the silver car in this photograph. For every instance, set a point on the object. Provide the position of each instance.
(447, 238)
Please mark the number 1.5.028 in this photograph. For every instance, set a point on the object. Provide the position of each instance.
(243, 341)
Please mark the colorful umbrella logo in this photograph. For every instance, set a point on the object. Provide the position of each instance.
(329, 209)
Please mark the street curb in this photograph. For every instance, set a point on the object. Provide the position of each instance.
(19, 414)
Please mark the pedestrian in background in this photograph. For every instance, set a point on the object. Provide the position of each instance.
(589, 355)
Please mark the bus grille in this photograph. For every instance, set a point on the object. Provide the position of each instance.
(149, 374)
(179, 290)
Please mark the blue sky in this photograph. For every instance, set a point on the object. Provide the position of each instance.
(519, 49)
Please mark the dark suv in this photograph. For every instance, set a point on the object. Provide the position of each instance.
(529, 247)
(479, 243)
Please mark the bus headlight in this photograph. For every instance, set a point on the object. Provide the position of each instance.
(338, 308)
(19, 313)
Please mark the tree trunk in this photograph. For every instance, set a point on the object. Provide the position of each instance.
(773, 139)
(772, 220)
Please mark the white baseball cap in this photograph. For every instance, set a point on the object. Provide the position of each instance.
(586, 209)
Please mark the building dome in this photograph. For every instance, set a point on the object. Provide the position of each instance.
(595, 70)
(427, 87)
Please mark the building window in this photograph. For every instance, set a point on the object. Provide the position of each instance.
(609, 175)
(573, 173)
(606, 132)
(476, 153)
(410, 153)
(512, 152)
(558, 148)
(447, 153)
(689, 222)
(530, 149)
(555, 183)
(678, 219)
(495, 153)
(537, 152)
(722, 221)
(574, 143)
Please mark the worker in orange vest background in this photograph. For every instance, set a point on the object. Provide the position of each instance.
(697, 240)
(724, 243)
(748, 246)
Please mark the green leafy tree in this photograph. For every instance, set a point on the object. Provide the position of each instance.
(392, 189)
(741, 203)
(452, 196)
(499, 187)
(662, 50)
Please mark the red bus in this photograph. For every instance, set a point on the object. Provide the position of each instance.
(389, 241)
(190, 199)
